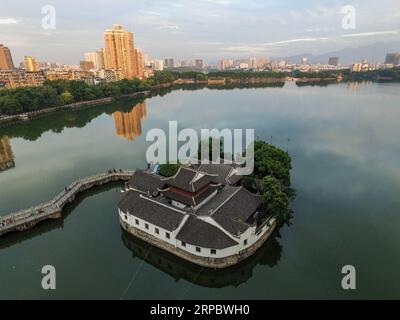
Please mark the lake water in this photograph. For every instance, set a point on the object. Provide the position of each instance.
(344, 141)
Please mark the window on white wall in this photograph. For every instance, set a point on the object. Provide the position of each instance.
(167, 235)
(213, 251)
(183, 244)
(198, 249)
(157, 231)
(137, 221)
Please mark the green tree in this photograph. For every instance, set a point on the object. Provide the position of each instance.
(271, 161)
(89, 95)
(77, 89)
(275, 199)
(49, 97)
(9, 105)
(168, 169)
(66, 97)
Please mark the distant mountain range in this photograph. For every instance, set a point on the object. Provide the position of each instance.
(373, 53)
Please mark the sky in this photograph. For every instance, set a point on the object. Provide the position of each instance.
(191, 29)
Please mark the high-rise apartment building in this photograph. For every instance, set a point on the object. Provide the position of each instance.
(119, 52)
(138, 63)
(146, 59)
(357, 67)
(199, 64)
(158, 65)
(253, 63)
(225, 64)
(393, 58)
(169, 63)
(86, 65)
(6, 62)
(31, 64)
(333, 61)
(100, 59)
(97, 57)
(258, 63)
(91, 57)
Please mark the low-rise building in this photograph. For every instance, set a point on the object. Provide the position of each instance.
(106, 75)
(60, 74)
(19, 78)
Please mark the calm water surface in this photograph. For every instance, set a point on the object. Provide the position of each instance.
(344, 140)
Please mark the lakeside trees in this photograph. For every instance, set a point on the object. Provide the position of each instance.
(61, 92)
(392, 75)
(248, 75)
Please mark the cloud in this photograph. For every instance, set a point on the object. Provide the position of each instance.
(371, 34)
(8, 21)
(169, 27)
(292, 41)
(260, 47)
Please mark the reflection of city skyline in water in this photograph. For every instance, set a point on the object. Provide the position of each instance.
(268, 255)
(6, 154)
(355, 85)
(129, 124)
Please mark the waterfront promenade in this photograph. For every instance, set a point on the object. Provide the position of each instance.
(28, 218)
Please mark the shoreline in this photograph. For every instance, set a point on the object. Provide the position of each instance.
(178, 84)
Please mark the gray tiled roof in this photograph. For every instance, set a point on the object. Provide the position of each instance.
(184, 180)
(190, 201)
(233, 179)
(146, 181)
(162, 215)
(203, 181)
(222, 195)
(222, 170)
(202, 234)
(232, 214)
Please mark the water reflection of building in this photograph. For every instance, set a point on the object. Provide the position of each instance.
(268, 255)
(129, 124)
(6, 154)
(355, 85)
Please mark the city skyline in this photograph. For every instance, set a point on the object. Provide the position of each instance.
(208, 29)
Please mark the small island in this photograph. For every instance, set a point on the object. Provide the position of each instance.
(207, 214)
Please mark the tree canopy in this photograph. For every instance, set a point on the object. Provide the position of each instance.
(271, 178)
(168, 169)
